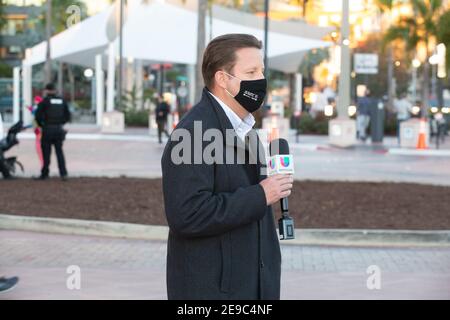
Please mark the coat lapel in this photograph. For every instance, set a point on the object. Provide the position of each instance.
(225, 125)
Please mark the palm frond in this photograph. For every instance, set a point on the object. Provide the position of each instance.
(395, 33)
(412, 41)
(385, 5)
(420, 7)
(435, 5)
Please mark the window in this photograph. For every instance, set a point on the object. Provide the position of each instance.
(13, 27)
(23, 2)
(14, 50)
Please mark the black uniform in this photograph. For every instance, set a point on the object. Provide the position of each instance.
(162, 111)
(52, 113)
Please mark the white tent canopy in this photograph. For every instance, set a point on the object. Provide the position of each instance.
(78, 45)
(163, 32)
(156, 32)
(177, 41)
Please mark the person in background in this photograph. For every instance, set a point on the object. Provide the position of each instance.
(402, 108)
(51, 115)
(162, 111)
(363, 117)
(319, 104)
(37, 129)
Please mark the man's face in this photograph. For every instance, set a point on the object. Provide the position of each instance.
(249, 66)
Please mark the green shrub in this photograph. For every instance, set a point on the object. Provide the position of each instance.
(309, 125)
(136, 118)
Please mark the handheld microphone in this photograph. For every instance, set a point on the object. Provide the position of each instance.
(281, 162)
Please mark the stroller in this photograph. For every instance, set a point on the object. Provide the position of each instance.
(8, 165)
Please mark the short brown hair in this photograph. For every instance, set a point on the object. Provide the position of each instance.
(221, 53)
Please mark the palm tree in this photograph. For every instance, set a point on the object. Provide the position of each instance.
(2, 17)
(444, 34)
(48, 34)
(56, 21)
(416, 32)
(386, 7)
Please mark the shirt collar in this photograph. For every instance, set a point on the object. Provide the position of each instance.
(241, 126)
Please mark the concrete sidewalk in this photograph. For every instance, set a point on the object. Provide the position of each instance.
(135, 269)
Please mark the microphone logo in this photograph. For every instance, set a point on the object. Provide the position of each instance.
(272, 164)
(284, 162)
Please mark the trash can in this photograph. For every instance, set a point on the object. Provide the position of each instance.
(377, 123)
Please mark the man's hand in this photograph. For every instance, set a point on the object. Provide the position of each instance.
(276, 187)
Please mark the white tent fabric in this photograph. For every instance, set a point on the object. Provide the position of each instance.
(78, 45)
(162, 32)
(177, 41)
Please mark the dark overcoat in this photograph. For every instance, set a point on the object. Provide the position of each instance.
(222, 240)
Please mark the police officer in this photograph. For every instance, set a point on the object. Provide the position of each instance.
(52, 113)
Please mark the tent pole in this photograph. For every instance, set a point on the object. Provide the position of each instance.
(344, 80)
(111, 76)
(100, 87)
(191, 83)
(139, 84)
(26, 92)
(120, 85)
(16, 94)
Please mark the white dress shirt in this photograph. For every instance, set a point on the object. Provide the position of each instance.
(240, 126)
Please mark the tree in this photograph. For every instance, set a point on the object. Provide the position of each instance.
(58, 18)
(419, 33)
(48, 35)
(386, 7)
(2, 16)
(444, 34)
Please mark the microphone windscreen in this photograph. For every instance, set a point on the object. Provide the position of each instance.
(279, 146)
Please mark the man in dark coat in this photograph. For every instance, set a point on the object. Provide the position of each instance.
(222, 240)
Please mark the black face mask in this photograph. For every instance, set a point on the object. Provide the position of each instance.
(251, 94)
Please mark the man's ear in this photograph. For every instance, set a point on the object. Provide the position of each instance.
(220, 78)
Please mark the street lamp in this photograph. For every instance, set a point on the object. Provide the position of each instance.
(88, 73)
(352, 110)
(328, 111)
(415, 110)
(416, 63)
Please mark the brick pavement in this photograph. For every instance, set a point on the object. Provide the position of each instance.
(135, 269)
